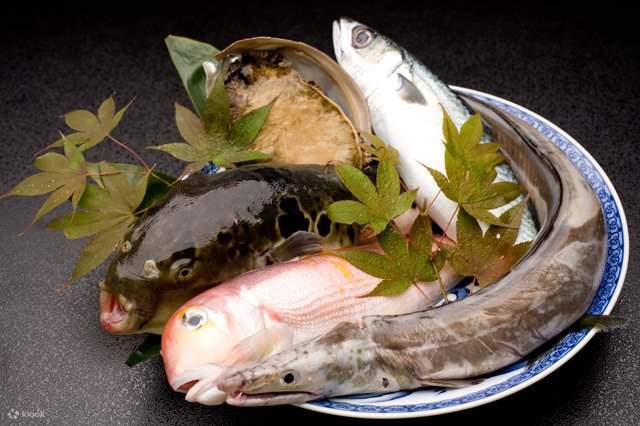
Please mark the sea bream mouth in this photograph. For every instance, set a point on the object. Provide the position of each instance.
(199, 383)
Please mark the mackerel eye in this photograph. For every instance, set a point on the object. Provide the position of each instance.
(362, 37)
(193, 319)
(185, 274)
(289, 378)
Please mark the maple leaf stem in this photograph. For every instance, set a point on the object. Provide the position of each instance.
(420, 290)
(102, 174)
(404, 185)
(455, 212)
(130, 151)
(182, 175)
(46, 148)
(139, 212)
(441, 284)
(433, 201)
(139, 158)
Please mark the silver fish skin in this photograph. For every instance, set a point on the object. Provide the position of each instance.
(545, 293)
(405, 102)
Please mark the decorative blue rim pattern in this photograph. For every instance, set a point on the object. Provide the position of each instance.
(613, 278)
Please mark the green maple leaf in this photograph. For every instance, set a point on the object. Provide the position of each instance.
(64, 176)
(107, 213)
(378, 149)
(215, 138)
(378, 204)
(470, 172)
(405, 260)
(91, 129)
(490, 256)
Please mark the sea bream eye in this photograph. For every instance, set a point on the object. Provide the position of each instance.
(362, 36)
(193, 319)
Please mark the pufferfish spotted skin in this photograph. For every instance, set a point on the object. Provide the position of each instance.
(209, 229)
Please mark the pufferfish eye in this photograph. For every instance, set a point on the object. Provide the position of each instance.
(289, 377)
(193, 318)
(183, 269)
(362, 37)
(185, 273)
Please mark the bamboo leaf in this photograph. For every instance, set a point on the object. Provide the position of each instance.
(188, 56)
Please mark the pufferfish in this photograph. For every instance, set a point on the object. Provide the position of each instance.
(209, 229)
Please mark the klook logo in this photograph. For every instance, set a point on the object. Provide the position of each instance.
(14, 414)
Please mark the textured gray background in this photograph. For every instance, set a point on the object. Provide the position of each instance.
(581, 72)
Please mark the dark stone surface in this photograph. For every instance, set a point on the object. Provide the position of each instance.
(581, 72)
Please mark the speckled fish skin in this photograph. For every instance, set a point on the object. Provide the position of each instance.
(550, 289)
(405, 102)
(213, 228)
(269, 310)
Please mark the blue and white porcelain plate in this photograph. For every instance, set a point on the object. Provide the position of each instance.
(433, 401)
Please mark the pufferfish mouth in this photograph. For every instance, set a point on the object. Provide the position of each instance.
(115, 312)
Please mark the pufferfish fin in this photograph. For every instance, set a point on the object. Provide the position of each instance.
(258, 346)
(299, 243)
